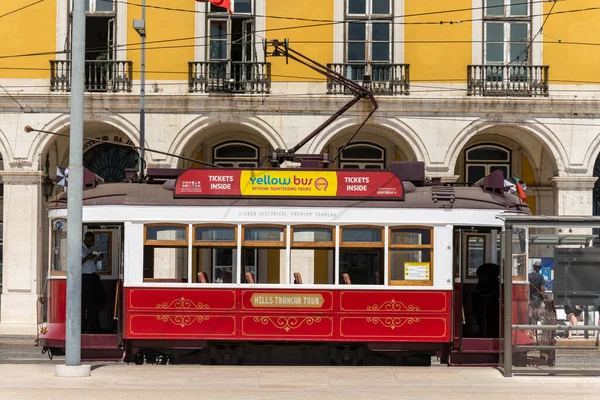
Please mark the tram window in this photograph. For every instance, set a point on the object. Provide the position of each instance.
(361, 235)
(165, 263)
(264, 234)
(410, 236)
(214, 253)
(214, 234)
(166, 233)
(166, 253)
(59, 245)
(312, 254)
(264, 254)
(410, 265)
(411, 256)
(361, 255)
(476, 247)
(323, 236)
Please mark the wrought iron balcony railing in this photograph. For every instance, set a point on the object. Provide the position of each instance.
(385, 78)
(507, 80)
(100, 76)
(229, 77)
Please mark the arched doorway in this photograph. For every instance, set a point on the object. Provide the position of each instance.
(109, 161)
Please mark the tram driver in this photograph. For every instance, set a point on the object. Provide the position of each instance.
(93, 297)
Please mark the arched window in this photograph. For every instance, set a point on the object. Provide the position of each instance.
(362, 155)
(483, 159)
(109, 161)
(236, 155)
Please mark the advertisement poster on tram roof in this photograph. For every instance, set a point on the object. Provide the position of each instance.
(198, 183)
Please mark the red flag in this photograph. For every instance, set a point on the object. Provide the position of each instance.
(521, 192)
(220, 3)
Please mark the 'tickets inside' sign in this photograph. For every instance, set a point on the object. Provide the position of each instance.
(288, 183)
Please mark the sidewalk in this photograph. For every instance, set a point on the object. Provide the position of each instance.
(147, 382)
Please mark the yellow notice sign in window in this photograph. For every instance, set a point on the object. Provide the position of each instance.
(417, 271)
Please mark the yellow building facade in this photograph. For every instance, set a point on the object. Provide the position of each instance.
(467, 87)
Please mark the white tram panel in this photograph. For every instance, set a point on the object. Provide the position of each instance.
(288, 215)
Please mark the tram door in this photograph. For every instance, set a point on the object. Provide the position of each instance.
(476, 284)
(109, 241)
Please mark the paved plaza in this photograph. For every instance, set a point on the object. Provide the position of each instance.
(25, 373)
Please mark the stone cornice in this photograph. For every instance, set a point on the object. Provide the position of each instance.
(574, 182)
(405, 106)
(22, 177)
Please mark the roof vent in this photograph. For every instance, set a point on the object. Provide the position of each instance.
(443, 194)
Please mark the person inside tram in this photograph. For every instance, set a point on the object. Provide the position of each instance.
(486, 298)
(536, 291)
(93, 297)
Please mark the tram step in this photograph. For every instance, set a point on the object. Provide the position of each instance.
(99, 342)
(473, 359)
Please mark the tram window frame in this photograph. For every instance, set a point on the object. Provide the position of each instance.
(214, 245)
(468, 236)
(315, 245)
(260, 245)
(60, 272)
(361, 245)
(150, 244)
(392, 247)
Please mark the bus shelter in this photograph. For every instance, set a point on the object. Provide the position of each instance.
(565, 251)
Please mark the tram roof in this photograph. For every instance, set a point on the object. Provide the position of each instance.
(144, 194)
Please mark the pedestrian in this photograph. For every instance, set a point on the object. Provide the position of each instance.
(537, 293)
(93, 297)
(574, 315)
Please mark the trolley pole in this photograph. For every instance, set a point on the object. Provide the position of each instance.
(73, 365)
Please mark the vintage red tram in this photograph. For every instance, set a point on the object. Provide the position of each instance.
(237, 264)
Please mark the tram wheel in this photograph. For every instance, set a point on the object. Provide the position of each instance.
(138, 359)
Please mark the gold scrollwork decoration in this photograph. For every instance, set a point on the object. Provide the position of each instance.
(182, 320)
(393, 322)
(287, 323)
(182, 303)
(392, 305)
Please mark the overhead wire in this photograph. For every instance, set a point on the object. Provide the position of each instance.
(330, 22)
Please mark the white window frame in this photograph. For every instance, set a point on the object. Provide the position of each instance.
(340, 31)
(202, 31)
(367, 19)
(239, 161)
(63, 9)
(488, 164)
(478, 32)
(362, 163)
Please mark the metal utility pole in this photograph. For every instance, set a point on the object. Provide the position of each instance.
(140, 28)
(73, 365)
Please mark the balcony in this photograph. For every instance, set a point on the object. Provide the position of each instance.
(507, 80)
(390, 79)
(229, 77)
(100, 76)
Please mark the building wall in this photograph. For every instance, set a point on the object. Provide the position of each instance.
(29, 31)
(429, 44)
(570, 26)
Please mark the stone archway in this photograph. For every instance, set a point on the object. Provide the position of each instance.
(107, 160)
(517, 152)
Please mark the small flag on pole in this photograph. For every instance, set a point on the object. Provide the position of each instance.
(62, 176)
(220, 3)
(518, 187)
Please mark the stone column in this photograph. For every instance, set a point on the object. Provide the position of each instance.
(23, 245)
(573, 195)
